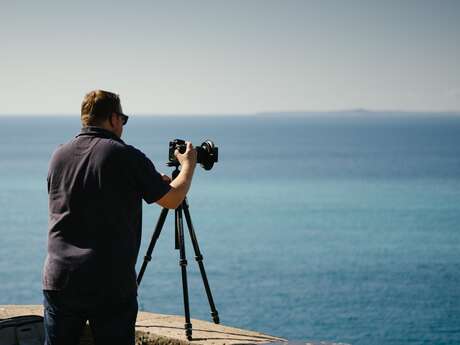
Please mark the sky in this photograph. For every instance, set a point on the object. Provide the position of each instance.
(230, 57)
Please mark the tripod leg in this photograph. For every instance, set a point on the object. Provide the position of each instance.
(183, 265)
(155, 235)
(199, 259)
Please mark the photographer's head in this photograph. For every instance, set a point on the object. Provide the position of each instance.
(103, 109)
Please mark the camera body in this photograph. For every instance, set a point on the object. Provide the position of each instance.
(207, 153)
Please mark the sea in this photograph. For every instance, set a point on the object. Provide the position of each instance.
(336, 228)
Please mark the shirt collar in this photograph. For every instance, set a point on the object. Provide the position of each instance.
(99, 132)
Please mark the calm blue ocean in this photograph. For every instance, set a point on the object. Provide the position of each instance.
(334, 229)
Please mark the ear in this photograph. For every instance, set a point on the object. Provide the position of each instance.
(110, 119)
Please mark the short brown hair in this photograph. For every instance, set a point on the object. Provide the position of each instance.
(97, 106)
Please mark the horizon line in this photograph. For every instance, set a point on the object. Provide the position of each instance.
(357, 111)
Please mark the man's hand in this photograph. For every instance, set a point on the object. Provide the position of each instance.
(188, 157)
(181, 184)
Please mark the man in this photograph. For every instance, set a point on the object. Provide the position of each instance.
(96, 184)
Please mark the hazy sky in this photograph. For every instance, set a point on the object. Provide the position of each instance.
(167, 57)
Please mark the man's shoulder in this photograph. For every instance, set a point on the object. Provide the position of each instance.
(131, 150)
(125, 153)
(83, 146)
(100, 149)
(62, 149)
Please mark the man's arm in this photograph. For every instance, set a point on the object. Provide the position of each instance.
(181, 184)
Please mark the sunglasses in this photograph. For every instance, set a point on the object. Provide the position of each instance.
(124, 118)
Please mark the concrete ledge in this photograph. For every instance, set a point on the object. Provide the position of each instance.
(172, 328)
(161, 329)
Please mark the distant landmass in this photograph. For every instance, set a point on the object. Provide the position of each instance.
(358, 112)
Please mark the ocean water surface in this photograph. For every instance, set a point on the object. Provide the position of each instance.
(312, 228)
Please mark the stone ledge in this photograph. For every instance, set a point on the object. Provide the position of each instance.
(159, 329)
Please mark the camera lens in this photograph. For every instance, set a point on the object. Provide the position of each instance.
(207, 154)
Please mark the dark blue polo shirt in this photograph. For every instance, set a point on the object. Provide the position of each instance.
(96, 184)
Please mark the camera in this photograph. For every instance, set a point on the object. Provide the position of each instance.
(207, 153)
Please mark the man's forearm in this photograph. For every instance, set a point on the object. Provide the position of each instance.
(179, 188)
(183, 181)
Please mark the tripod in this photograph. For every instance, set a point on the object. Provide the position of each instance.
(179, 244)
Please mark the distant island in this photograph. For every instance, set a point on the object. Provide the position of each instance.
(357, 112)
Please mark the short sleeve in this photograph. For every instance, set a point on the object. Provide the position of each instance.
(146, 178)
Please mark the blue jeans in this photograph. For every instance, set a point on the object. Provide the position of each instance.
(112, 320)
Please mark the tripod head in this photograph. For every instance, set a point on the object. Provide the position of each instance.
(176, 170)
(173, 164)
